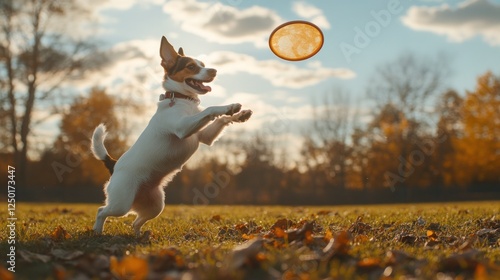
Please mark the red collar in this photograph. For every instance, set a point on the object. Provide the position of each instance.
(172, 95)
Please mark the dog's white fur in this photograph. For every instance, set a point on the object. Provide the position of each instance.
(171, 137)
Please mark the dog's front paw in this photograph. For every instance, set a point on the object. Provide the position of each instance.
(242, 116)
(233, 109)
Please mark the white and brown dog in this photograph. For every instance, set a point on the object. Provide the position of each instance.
(171, 137)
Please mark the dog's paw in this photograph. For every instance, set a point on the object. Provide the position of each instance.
(233, 109)
(242, 116)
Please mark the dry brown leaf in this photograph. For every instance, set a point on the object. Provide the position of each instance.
(279, 233)
(242, 228)
(408, 239)
(301, 233)
(130, 267)
(359, 227)
(5, 273)
(59, 234)
(283, 224)
(215, 218)
(308, 238)
(328, 235)
(368, 263)
(431, 235)
(339, 245)
(59, 272)
(247, 236)
(434, 227)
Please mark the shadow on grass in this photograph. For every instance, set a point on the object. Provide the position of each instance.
(41, 257)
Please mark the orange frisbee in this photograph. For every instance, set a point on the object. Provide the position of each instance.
(296, 40)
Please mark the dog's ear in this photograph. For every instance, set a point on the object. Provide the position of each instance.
(181, 52)
(167, 53)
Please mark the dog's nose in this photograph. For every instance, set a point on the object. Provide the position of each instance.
(211, 72)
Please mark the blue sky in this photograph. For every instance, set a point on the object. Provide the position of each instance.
(236, 32)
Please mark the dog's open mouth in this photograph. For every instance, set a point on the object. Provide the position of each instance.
(198, 85)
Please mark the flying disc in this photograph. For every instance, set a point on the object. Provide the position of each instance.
(296, 40)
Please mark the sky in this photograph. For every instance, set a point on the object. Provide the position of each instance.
(232, 36)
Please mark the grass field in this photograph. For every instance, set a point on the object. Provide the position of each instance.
(422, 241)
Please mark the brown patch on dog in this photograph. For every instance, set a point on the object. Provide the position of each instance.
(184, 67)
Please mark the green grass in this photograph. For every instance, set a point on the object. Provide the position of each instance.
(370, 242)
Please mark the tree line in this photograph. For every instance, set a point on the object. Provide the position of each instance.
(398, 155)
(417, 140)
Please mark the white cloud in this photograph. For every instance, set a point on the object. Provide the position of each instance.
(221, 23)
(276, 72)
(125, 4)
(471, 18)
(312, 13)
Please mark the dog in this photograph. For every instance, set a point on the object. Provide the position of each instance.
(169, 140)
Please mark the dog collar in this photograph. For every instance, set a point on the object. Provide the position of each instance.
(172, 95)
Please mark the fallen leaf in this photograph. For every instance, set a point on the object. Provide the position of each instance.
(359, 227)
(130, 267)
(408, 239)
(247, 236)
(368, 264)
(282, 224)
(339, 245)
(60, 234)
(5, 273)
(66, 255)
(215, 218)
(279, 233)
(244, 253)
(467, 260)
(301, 233)
(30, 257)
(328, 235)
(432, 235)
(434, 227)
(242, 228)
(59, 272)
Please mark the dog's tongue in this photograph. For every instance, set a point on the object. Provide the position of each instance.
(204, 87)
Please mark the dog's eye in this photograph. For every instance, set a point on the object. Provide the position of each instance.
(190, 67)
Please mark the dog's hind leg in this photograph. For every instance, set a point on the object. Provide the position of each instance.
(148, 205)
(118, 204)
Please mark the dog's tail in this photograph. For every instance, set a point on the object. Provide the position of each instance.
(99, 150)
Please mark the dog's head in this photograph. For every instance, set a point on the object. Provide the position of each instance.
(184, 74)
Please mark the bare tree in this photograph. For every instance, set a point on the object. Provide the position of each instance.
(326, 149)
(409, 82)
(39, 51)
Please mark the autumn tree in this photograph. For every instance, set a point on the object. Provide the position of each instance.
(402, 91)
(40, 49)
(72, 162)
(448, 132)
(479, 147)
